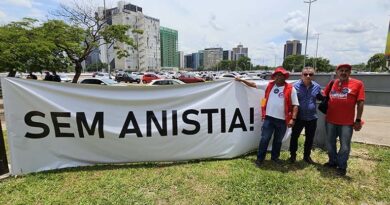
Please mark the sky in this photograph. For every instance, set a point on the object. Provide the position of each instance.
(350, 31)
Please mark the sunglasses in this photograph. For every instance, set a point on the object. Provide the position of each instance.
(308, 74)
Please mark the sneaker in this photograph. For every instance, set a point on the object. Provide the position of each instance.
(292, 159)
(308, 160)
(341, 172)
(329, 165)
(258, 163)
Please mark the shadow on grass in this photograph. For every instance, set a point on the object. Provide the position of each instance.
(285, 166)
(132, 165)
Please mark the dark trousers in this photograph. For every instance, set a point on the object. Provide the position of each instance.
(277, 128)
(310, 130)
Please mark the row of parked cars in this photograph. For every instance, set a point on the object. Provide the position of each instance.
(111, 82)
(167, 78)
(145, 78)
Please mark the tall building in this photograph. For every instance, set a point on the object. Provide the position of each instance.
(211, 57)
(201, 59)
(239, 51)
(169, 44)
(181, 59)
(292, 48)
(195, 61)
(93, 58)
(188, 63)
(227, 55)
(147, 54)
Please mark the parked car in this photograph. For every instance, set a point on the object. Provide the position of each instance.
(166, 82)
(101, 75)
(148, 77)
(208, 77)
(125, 78)
(64, 77)
(101, 81)
(190, 79)
(227, 76)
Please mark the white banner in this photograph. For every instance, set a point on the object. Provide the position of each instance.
(57, 125)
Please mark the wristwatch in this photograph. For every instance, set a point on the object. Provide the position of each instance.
(358, 120)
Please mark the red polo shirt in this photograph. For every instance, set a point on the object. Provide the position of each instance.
(343, 99)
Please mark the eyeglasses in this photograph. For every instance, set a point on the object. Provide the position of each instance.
(308, 74)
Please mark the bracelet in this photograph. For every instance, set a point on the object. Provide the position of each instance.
(358, 120)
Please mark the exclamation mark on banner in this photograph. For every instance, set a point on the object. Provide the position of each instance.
(251, 118)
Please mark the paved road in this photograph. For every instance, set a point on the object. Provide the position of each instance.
(376, 129)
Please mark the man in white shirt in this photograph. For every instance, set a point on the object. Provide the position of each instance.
(279, 110)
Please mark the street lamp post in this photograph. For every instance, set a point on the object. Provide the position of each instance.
(315, 59)
(107, 47)
(307, 29)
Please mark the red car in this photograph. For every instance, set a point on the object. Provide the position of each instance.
(190, 79)
(148, 77)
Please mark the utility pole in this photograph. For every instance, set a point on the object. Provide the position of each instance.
(307, 29)
(315, 59)
(107, 56)
(275, 62)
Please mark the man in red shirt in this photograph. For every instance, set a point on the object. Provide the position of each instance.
(346, 95)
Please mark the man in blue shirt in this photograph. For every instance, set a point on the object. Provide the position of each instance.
(307, 91)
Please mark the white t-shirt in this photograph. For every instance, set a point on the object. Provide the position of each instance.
(275, 104)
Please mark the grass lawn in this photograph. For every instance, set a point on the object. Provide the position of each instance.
(235, 181)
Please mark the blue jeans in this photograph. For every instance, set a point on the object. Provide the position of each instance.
(344, 132)
(271, 126)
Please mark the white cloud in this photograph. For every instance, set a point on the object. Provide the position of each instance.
(295, 24)
(2, 17)
(355, 27)
(23, 3)
(213, 23)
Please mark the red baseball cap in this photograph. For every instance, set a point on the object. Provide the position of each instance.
(344, 66)
(280, 70)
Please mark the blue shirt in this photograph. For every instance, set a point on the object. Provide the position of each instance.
(307, 100)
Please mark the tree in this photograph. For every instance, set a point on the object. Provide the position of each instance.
(261, 67)
(322, 64)
(244, 63)
(224, 64)
(293, 63)
(377, 62)
(359, 67)
(233, 65)
(84, 31)
(24, 47)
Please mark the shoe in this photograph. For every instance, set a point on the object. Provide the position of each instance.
(329, 165)
(292, 159)
(308, 160)
(341, 172)
(258, 163)
(277, 161)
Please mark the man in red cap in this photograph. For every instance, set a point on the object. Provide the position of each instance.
(279, 110)
(345, 95)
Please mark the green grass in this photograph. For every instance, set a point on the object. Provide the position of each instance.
(235, 181)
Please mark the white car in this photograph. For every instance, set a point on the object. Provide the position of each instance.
(166, 82)
(101, 75)
(101, 81)
(227, 76)
(64, 77)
